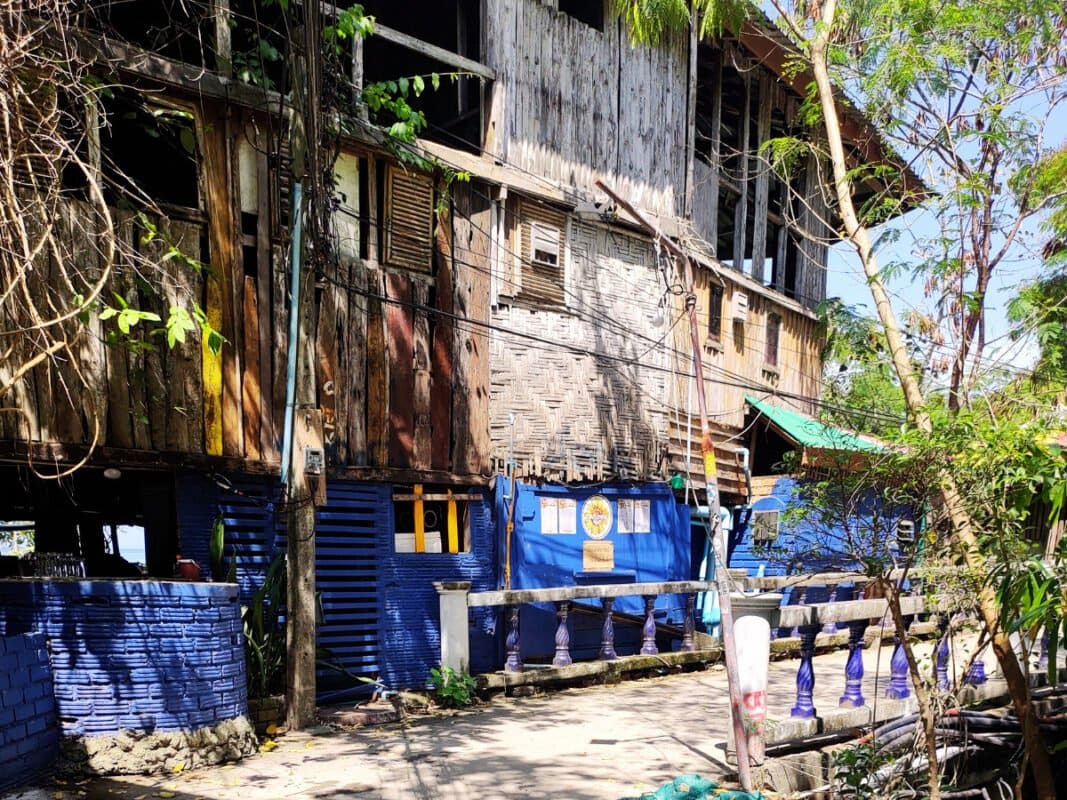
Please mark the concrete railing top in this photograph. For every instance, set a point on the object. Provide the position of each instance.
(844, 611)
(511, 597)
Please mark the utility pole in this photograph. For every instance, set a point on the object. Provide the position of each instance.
(707, 448)
(303, 422)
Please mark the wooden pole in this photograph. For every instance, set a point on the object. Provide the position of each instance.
(707, 449)
(300, 494)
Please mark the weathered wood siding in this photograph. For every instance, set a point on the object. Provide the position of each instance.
(578, 414)
(142, 396)
(399, 357)
(572, 103)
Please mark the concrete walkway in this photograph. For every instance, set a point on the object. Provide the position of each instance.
(594, 743)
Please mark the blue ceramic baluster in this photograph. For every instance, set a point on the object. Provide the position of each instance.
(976, 673)
(514, 660)
(648, 632)
(941, 662)
(898, 687)
(607, 641)
(853, 696)
(563, 636)
(805, 672)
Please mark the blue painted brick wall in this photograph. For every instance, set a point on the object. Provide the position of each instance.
(29, 733)
(142, 655)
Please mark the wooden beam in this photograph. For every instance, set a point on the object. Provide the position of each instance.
(57, 453)
(220, 247)
(461, 63)
(763, 178)
(400, 354)
(441, 350)
(690, 122)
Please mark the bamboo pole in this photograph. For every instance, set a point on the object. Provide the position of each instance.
(707, 449)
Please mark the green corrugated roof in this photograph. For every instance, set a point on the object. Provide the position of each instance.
(808, 432)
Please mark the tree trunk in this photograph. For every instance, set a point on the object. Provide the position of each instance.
(922, 697)
(963, 538)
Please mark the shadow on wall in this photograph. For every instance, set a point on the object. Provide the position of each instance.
(139, 655)
(29, 730)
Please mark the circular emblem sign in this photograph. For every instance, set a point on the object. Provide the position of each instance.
(596, 516)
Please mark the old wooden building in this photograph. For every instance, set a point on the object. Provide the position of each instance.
(514, 323)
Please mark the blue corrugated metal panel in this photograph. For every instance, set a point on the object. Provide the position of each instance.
(348, 534)
(196, 503)
(248, 512)
(411, 617)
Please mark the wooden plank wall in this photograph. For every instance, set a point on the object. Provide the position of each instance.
(426, 351)
(142, 396)
(572, 103)
(399, 360)
(576, 415)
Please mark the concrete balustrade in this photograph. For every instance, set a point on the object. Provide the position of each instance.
(455, 598)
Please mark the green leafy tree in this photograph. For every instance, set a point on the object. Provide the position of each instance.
(964, 90)
(1040, 308)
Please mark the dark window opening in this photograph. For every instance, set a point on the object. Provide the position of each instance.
(113, 523)
(249, 249)
(724, 246)
(707, 80)
(176, 29)
(792, 264)
(769, 451)
(258, 42)
(454, 110)
(715, 296)
(591, 12)
(148, 153)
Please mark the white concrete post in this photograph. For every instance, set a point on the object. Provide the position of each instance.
(455, 638)
(754, 616)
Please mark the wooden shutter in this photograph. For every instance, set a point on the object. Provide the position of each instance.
(408, 220)
(544, 247)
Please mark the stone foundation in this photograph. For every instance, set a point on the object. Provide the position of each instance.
(137, 752)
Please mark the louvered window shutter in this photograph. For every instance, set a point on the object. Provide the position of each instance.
(408, 220)
(544, 239)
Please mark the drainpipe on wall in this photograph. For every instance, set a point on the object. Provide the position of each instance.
(294, 305)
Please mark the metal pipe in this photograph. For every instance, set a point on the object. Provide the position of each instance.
(743, 452)
(294, 319)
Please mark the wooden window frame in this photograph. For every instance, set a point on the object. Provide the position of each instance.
(408, 229)
(766, 524)
(434, 534)
(541, 283)
(716, 298)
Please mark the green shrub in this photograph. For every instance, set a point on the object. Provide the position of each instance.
(452, 689)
